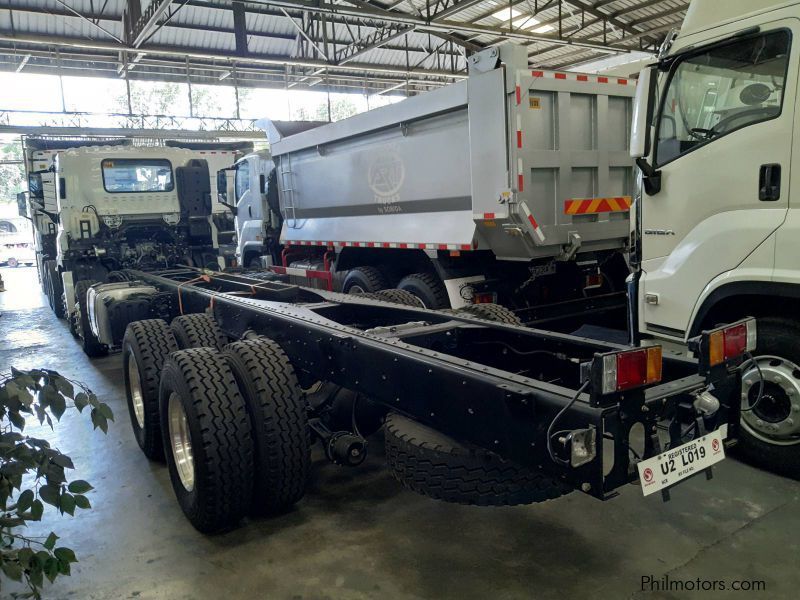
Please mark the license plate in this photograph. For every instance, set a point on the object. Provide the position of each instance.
(672, 466)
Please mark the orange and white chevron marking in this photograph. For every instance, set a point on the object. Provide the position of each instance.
(587, 206)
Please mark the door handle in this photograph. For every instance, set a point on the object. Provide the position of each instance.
(769, 183)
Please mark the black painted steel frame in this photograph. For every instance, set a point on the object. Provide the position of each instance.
(494, 385)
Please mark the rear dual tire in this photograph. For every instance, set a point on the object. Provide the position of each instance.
(207, 438)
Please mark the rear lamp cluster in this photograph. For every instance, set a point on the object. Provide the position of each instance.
(620, 371)
(731, 342)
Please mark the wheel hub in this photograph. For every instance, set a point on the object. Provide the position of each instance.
(181, 442)
(137, 399)
(775, 418)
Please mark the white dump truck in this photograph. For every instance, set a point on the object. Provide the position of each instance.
(513, 186)
(122, 206)
(718, 227)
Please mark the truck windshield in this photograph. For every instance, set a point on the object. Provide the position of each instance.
(725, 88)
(137, 175)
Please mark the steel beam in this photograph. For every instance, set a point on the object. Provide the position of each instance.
(145, 24)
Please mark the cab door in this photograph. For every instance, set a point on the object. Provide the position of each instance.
(723, 149)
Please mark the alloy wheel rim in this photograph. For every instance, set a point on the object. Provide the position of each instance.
(181, 442)
(137, 398)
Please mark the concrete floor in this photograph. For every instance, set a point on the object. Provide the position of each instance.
(358, 534)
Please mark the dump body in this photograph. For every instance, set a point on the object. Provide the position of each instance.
(501, 161)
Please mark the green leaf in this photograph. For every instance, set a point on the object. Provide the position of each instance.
(52, 398)
(51, 568)
(35, 575)
(105, 410)
(81, 400)
(25, 500)
(62, 460)
(67, 504)
(16, 419)
(49, 493)
(99, 421)
(25, 557)
(63, 386)
(50, 542)
(82, 501)
(37, 509)
(12, 570)
(93, 400)
(79, 486)
(65, 554)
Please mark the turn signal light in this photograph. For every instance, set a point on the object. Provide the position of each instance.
(731, 341)
(620, 371)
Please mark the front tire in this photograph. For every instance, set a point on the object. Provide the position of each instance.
(770, 432)
(206, 439)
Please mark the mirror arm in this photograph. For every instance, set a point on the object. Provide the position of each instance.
(652, 177)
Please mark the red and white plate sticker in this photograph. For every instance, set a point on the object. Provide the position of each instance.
(672, 466)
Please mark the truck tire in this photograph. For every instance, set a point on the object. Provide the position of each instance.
(435, 465)
(145, 347)
(399, 297)
(770, 432)
(90, 344)
(278, 420)
(55, 288)
(364, 280)
(428, 288)
(492, 312)
(198, 331)
(207, 438)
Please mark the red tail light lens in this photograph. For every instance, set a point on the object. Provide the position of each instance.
(731, 342)
(627, 370)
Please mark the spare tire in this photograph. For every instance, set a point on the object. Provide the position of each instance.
(435, 465)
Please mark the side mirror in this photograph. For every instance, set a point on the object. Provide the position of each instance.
(643, 105)
(22, 204)
(222, 184)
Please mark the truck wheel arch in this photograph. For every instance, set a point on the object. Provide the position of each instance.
(746, 299)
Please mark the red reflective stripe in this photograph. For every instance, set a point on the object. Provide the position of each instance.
(521, 182)
(583, 78)
(519, 139)
(386, 245)
(279, 270)
(403, 245)
(342, 244)
(622, 81)
(370, 244)
(488, 215)
(465, 247)
(533, 222)
(442, 246)
(537, 73)
(519, 94)
(561, 75)
(602, 80)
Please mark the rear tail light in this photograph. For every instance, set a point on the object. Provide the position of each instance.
(483, 298)
(620, 371)
(730, 342)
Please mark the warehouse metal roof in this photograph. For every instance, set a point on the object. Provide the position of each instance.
(349, 45)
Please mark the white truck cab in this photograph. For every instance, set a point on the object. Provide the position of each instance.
(247, 183)
(718, 221)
